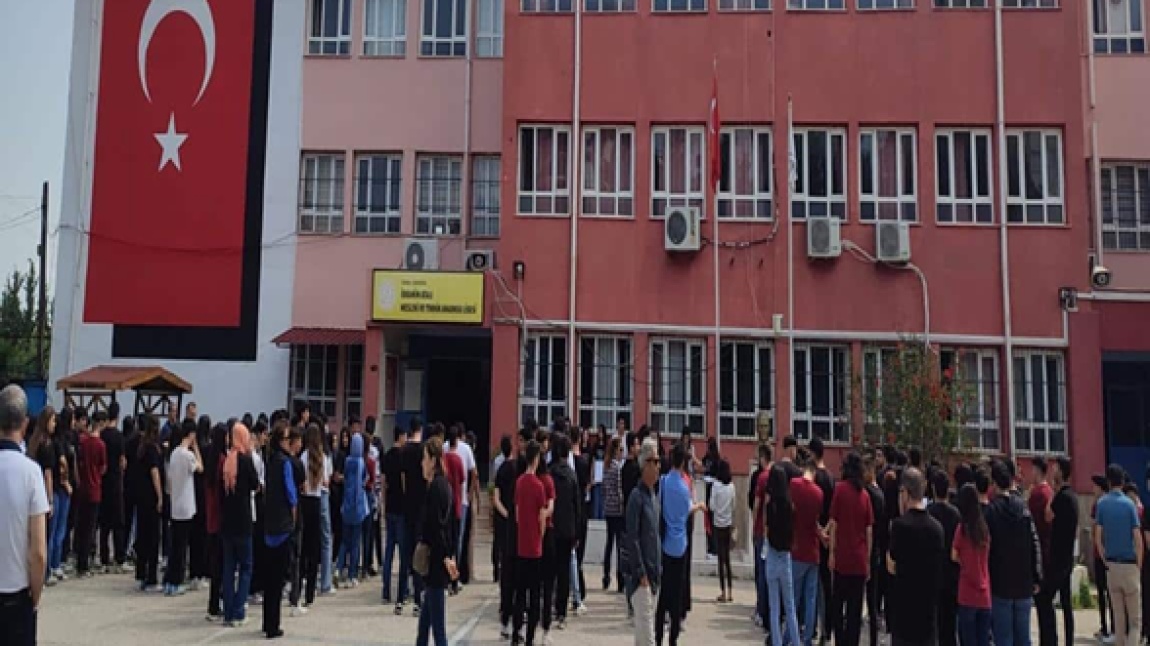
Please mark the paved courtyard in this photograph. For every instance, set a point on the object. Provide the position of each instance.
(108, 610)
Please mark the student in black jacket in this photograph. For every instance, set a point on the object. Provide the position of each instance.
(1063, 518)
(280, 513)
(568, 503)
(947, 515)
(435, 533)
(1015, 559)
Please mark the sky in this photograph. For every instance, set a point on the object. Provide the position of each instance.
(35, 57)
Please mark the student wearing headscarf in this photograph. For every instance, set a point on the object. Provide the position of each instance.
(353, 509)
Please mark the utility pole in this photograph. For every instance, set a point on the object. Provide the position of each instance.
(41, 317)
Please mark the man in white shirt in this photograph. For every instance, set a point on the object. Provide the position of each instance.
(23, 514)
(183, 464)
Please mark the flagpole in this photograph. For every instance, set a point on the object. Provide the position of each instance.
(792, 169)
(715, 263)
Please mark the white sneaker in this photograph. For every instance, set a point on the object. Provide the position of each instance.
(580, 609)
(505, 631)
(1108, 639)
(298, 611)
(546, 638)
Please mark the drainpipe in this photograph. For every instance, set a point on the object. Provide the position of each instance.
(465, 172)
(576, 207)
(1003, 237)
(1096, 166)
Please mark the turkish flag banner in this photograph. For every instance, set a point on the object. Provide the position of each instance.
(170, 183)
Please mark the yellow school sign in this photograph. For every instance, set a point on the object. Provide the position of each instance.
(426, 296)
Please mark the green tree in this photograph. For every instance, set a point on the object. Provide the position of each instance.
(18, 318)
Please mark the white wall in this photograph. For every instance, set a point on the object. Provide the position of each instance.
(221, 389)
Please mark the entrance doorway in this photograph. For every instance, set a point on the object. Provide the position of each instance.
(1126, 393)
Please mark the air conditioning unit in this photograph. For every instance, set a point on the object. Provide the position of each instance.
(421, 254)
(479, 260)
(681, 229)
(824, 238)
(892, 242)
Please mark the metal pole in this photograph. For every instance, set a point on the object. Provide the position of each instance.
(42, 251)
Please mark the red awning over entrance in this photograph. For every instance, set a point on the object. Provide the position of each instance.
(320, 336)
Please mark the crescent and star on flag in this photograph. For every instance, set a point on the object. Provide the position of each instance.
(198, 10)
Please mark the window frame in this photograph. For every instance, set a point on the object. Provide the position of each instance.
(529, 362)
(962, 4)
(836, 419)
(662, 413)
(692, 197)
(334, 214)
(800, 142)
(693, 7)
(392, 216)
(395, 43)
(1024, 424)
(1113, 230)
(802, 5)
(621, 370)
(560, 172)
(425, 200)
(731, 412)
(622, 6)
(354, 356)
(342, 39)
(987, 393)
(433, 45)
(898, 5)
(974, 201)
(732, 6)
(485, 195)
(302, 357)
(901, 200)
(1045, 202)
(596, 194)
(757, 198)
(489, 40)
(1030, 4)
(1132, 41)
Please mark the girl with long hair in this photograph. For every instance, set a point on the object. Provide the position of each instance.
(971, 551)
(42, 448)
(779, 530)
(437, 518)
(721, 504)
(613, 510)
(198, 557)
(850, 527)
(239, 483)
(214, 456)
(317, 470)
(149, 504)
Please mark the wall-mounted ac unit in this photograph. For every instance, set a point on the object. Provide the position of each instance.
(892, 242)
(824, 238)
(681, 229)
(421, 254)
(479, 260)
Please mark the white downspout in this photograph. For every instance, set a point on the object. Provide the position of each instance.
(465, 174)
(1095, 164)
(576, 207)
(716, 286)
(1003, 237)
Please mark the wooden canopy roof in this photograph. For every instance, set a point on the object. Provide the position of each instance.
(117, 378)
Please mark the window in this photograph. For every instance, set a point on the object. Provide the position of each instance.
(315, 372)
(608, 171)
(1034, 177)
(385, 28)
(876, 364)
(820, 166)
(321, 194)
(1039, 402)
(887, 175)
(886, 4)
(594, 6)
(605, 372)
(489, 29)
(377, 185)
(977, 372)
(815, 4)
(438, 207)
(544, 394)
(1030, 4)
(745, 173)
(485, 171)
(353, 383)
(1118, 27)
(821, 401)
(676, 168)
(1126, 207)
(744, 5)
(746, 387)
(677, 388)
(960, 4)
(962, 177)
(330, 29)
(678, 5)
(545, 6)
(444, 28)
(543, 179)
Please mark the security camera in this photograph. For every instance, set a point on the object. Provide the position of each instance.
(1100, 277)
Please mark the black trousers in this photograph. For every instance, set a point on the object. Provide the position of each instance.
(112, 527)
(549, 575)
(826, 589)
(18, 618)
(582, 549)
(85, 533)
(872, 601)
(275, 575)
(1104, 603)
(177, 560)
(616, 526)
(671, 598)
(508, 580)
(846, 608)
(465, 553)
(295, 543)
(562, 564)
(312, 544)
(129, 517)
(499, 537)
(722, 536)
(947, 617)
(198, 546)
(215, 574)
(147, 544)
(1058, 583)
(528, 597)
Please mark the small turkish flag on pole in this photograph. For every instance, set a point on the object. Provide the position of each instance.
(713, 126)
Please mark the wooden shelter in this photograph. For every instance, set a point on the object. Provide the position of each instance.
(157, 390)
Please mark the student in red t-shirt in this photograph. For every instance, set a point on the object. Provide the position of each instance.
(758, 491)
(456, 477)
(807, 497)
(851, 522)
(92, 463)
(971, 550)
(530, 524)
